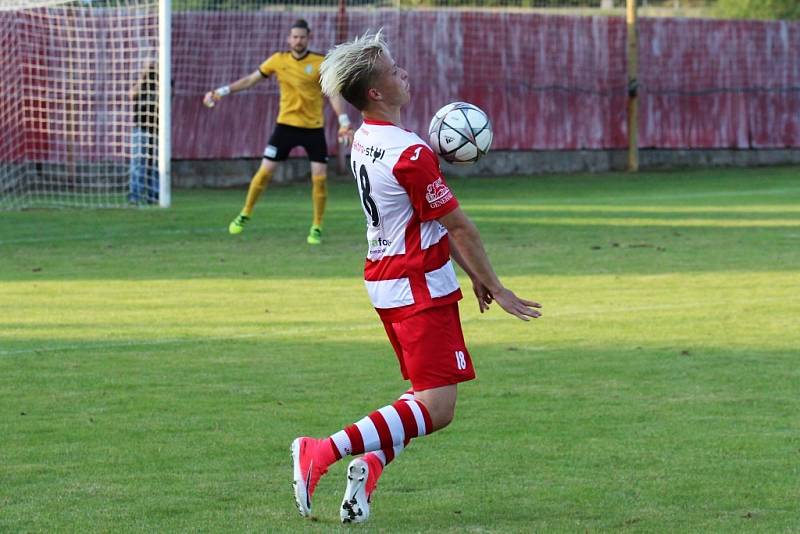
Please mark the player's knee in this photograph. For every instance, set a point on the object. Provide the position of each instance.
(442, 414)
(440, 403)
(443, 420)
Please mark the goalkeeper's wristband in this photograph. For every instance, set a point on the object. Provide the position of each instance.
(225, 90)
(344, 120)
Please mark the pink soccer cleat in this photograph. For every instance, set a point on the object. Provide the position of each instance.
(362, 478)
(310, 463)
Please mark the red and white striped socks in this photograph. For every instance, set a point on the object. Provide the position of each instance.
(385, 431)
(380, 459)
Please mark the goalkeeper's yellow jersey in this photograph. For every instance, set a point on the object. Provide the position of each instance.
(301, 95)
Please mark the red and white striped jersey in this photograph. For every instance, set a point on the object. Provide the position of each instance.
(403, 193)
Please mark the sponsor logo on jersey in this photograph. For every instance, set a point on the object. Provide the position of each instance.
(380, 242)
(375, 153)
(309, 69)
(438, 193)
(377, 247)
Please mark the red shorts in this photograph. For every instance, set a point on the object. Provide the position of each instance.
(430, 347)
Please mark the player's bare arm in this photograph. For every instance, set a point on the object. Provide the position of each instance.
(345, 128)
(242, 84)
(482, 293)
(471, 256)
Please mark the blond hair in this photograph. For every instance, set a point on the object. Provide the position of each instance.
(350, 68)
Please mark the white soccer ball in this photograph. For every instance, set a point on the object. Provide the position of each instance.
(460, 133)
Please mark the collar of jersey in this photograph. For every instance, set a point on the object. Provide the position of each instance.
(379, 123)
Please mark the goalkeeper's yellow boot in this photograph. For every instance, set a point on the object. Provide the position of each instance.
(314, 235)
(237, 225)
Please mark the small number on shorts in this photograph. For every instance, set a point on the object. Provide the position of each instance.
(461, 360)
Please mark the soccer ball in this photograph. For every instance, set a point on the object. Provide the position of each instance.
(461, 133)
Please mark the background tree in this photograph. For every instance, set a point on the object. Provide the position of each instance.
(759, 9)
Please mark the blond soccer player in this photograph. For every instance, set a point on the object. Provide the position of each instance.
(299, 123)
(414, 227)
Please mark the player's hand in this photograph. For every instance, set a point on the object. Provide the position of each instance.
(345, 135)
(210, 99)
(521, 308)
(483, 294)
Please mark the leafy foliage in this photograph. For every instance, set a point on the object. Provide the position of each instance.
(759, 9)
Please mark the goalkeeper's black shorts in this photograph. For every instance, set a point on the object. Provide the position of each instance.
(284, 138)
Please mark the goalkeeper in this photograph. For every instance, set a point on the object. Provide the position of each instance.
(299, 122)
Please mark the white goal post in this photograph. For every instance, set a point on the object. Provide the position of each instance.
(83, 106)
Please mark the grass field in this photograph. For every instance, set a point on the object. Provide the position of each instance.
(154, 370)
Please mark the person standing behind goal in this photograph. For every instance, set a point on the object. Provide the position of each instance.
(143, 168)
(412, 218)
(300, 122)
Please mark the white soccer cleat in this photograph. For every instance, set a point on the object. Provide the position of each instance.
(355, 505)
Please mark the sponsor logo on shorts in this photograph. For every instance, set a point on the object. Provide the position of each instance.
(270, 151)
(438, 193)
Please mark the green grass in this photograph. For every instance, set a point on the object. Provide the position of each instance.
(153, 369)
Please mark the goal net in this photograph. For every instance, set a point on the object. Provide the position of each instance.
(80, 102)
